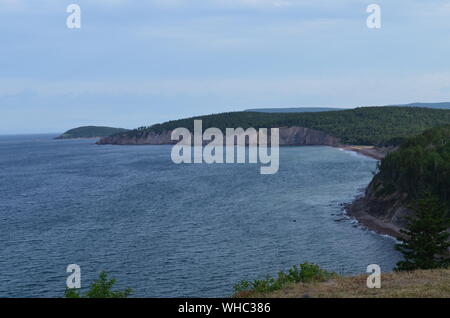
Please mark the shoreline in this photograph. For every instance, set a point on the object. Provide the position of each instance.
(77, 138)
(368, 151)
(357, 210)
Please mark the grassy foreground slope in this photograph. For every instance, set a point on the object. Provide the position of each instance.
(420, 283)
(90, 132)
(360, 126)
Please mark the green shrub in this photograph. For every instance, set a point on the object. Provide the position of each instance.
(305, 273)
(101, 288)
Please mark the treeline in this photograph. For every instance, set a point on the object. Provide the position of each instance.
(421, 165)
(90, 132)
(378, 126)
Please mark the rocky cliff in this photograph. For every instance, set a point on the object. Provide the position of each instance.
(381, 209)
(417, 169)
(142, 139)
(289, 136)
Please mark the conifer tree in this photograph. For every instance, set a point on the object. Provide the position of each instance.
(426, 239)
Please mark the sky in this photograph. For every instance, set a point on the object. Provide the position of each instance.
(138, 62)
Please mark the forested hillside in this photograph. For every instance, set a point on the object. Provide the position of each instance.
(293, 110)
(421, 164)
(360, 126)
(442, 105)
(90, 132)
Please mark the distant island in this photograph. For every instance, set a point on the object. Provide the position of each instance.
(90, 132)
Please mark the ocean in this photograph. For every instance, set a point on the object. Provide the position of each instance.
(170, 230)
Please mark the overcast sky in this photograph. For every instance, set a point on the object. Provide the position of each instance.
(138, 62)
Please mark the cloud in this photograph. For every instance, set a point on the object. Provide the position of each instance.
(12, 5)
(170, 58)
(369, 88)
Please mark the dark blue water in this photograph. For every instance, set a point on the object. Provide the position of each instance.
(173, 230)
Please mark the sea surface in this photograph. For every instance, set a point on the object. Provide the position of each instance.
(171, 230)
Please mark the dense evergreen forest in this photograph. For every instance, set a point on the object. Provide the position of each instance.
(360, 126)
(90, 132)
(420, 165)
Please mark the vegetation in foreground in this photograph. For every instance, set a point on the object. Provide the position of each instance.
(426, 241)
(415, 284)
(101, 288)
(373, 126)
(425, 247)
(305, 273)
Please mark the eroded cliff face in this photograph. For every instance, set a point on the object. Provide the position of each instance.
(289, 136)
(300, 136)
(385, 205)
(143, 139)
(381, 209)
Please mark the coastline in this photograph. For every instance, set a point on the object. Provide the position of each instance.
(357, 210)
(369, 151)
(76, 138)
